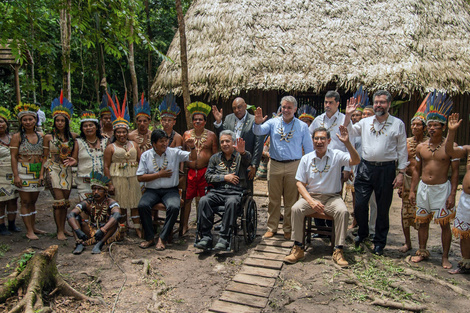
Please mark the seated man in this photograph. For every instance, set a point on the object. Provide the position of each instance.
(159, 170)
(319, 182)
(227, 172)
(104, 214)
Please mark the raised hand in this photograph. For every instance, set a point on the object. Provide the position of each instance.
(453, 122)
(259, 119)
(351, 105)
(190, 142)
(217, 114)
(343, 135)
(240, 147)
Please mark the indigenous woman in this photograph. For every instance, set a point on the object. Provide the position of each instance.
(121, 160)
(89, 155)
(26, 162)
(58, 150)
(8, 194)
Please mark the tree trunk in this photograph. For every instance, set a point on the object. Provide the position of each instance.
(102, 83)
(184, 63)
(149, 52)
(135, 88)
(65, 35)
(39, 273)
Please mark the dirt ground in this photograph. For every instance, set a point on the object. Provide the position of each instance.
(181, 279)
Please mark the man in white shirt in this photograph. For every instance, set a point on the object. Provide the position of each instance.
(383, 143)
(319, 184)
(41, 117)
(159, 170)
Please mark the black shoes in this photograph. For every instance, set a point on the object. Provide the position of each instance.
(378, 250)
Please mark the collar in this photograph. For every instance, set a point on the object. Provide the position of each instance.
(155, 154)
(243, 118)
(232, 157)
(333, 116)
(328, 154)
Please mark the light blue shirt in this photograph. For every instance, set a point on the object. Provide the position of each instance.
(290, 149)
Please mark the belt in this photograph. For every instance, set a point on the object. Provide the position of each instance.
(285, 161)
(378, 163)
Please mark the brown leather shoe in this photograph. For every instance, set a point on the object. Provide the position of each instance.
(269, 234)
(287, 236)
(338, 257)
(296, 254)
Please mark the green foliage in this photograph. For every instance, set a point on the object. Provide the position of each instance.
(24, 260)
(4, 248)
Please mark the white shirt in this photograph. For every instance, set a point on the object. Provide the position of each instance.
(332, 125)
(312, 171)
(147, 166)
(388, 143)
(41, 117)
(238, 125)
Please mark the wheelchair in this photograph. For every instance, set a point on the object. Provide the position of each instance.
(244, 227)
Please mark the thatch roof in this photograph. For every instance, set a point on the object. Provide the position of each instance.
(400, 45)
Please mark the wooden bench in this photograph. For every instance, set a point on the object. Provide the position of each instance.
(310, 228)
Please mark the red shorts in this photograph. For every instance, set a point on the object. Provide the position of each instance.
(196, 183)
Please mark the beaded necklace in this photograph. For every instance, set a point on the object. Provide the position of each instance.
(287, 137)
(199, 140)
(96, 154)
(231, 169)
(437, 148)
(6, 144)
(380, 131)
(164, 165)
(100, 211)
(332, 124)
(412, 144)
(315, 169)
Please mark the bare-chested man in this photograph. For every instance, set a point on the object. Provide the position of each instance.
(461, 227)
(206, 146)
(105, 118)
(141, 135)
(408, 211)
(169, 110)
(436, 194)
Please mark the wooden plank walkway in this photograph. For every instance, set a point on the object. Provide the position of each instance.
(249, 290)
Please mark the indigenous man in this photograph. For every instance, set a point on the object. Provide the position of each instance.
(306, 114)
(169, 110)
(103, 213)
(159, 171)
(435, 193)
(227, 172)
(206, 145)
(105, 118)
(141, 135)
(461, 227)
(241, 123)
(288, 137)
(408, 211)
(383, 140)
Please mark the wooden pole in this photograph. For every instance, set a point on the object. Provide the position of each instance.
(17, 83)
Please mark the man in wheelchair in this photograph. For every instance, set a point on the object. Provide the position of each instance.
(227, 173)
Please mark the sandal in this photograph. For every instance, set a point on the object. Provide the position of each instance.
(146, 244)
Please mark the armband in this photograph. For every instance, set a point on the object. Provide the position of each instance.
(116, 216)
(115, 204)
(456, 159)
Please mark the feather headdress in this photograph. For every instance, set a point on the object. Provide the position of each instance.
(199, 108)
(62, 106)
(104, 108)
(142, 108)
(420, 114)
(168, 107)
(88, 116)
(362, 98)
(306, 111)
(98, 179)
(23, 109)
(438, 107)
(5, 113)
(119, 113)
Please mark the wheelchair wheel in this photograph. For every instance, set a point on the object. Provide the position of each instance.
(250, 221)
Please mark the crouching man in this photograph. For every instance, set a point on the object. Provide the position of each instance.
(227, 172)
(319, 182)
(104, 214)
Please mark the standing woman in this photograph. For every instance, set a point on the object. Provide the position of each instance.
(26, 162)
(58, 150)
(121, 160)
(89, 155)
(8, 193)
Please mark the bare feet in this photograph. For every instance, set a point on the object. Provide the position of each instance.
(32, 236)
(417, 258)
(67, 233)
(39, 232)
(185, 229)
(146, 244)
(446, 264)
(160, 245)
(404, 248)
(61, 236)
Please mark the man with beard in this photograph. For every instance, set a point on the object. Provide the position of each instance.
(169, 110)
(103, 213)
(206, 145)
(383, 143)
(436, 194)
(241, 123)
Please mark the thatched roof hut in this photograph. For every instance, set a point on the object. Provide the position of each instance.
(260, 48)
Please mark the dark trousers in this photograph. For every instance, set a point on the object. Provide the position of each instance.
(170, 197)
(208, 204)
(379, 179)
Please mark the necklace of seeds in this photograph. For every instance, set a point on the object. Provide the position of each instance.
(99, 211)
(199, 140)
(164, 165)
(316, 170)
(331, 126)
(231, 169)
(287, 137)
(437, 148)
(380, 131)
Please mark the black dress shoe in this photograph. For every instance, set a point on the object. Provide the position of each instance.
(378, 250)
(357, 242)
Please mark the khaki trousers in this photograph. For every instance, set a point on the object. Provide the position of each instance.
(334, 206)
(281, 182)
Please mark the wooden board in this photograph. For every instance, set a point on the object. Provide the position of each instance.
(267, 256)
(254, 280)
(227, 307)
(249, 289)
(277, 243)
(272, 264)
(244, 299)
(259, 271)
(272, 249)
